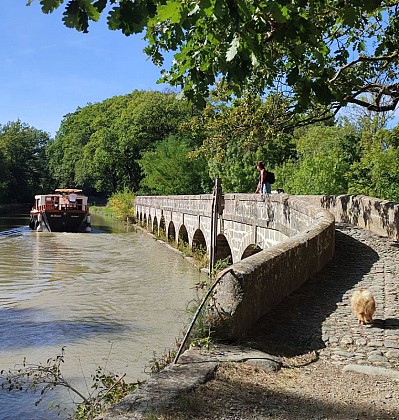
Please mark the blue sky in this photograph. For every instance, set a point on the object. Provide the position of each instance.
(48, 70)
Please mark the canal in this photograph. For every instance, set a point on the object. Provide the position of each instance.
(112, 298)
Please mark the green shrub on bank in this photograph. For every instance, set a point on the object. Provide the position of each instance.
(121, 204)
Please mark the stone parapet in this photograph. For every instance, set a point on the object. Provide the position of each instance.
(378, 216)
(250, 288)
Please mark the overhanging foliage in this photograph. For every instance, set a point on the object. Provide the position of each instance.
(320, 52)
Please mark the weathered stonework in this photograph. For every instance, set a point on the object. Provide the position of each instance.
(295, 240)
(378, 216)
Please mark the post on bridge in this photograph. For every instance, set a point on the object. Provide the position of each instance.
(217, 209)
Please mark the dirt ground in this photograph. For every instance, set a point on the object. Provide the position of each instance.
(317, 390)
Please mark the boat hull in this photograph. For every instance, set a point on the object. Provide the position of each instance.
(60, 221)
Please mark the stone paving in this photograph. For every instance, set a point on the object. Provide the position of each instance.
(318, 316)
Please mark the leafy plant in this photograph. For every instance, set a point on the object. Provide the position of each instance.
(159, 362)
(200, 254)
(219, 266)
(108, 388)
(121, 204)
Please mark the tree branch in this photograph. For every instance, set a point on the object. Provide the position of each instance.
(376, 108)
(364, 59)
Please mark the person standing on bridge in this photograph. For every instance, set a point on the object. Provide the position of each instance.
(264, 186)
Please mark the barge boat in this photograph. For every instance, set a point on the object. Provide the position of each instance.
(66, 210)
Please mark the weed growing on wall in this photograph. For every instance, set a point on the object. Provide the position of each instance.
(200, 254)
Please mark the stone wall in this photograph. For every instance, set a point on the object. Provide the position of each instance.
(249, 289)
(379, 216)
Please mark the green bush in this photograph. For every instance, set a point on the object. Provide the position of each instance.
(121, 204)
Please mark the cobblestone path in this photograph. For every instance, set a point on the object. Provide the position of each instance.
(318, 316)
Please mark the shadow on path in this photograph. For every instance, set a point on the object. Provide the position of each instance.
(386, 324)
(294, 327)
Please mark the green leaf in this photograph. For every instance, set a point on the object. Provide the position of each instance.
(171, 11)
(292, 76)
(277, 12)
(194, 11)
(48, 6)
(350, 16)
(91, 10)
(371, 5)
(232, 51)
(100, 5)
(129, 17)
(74, 17)
(322, 91)
(254, 60)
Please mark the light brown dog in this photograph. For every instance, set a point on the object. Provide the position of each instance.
(363, 305)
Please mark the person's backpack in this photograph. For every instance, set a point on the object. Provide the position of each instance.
(270, 178)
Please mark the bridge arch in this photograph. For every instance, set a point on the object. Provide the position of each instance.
(162, 226)
(183, 235)
(199, 241)
(223, 250)
(251, 250)
(171, 234)
(154, 227)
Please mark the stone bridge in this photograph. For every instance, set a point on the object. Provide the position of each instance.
(274, 243)
(247, 223)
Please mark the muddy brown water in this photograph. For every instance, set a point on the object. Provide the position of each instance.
(111, 298)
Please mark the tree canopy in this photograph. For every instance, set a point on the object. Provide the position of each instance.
(100, 145)
(152, 143)
(320, 52)
(23, 163)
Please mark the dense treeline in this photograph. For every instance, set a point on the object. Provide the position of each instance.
(23, 162)
(156, 143)
(100, 146)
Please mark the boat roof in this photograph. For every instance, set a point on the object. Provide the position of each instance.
(68, 190)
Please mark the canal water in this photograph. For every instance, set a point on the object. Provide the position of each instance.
(111, 298)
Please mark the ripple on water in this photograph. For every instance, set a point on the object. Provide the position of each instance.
(108, 298)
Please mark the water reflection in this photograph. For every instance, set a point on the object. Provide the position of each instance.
(19, 329)
(111, 297)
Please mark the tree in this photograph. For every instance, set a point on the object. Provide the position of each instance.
(23, 162)
(324, 160)
(237, 135)
(100, 145)
(376, 173)
(171, 169)
(4, 178)
(320, 52)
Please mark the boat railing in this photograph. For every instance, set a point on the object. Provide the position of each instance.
(63, 206)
